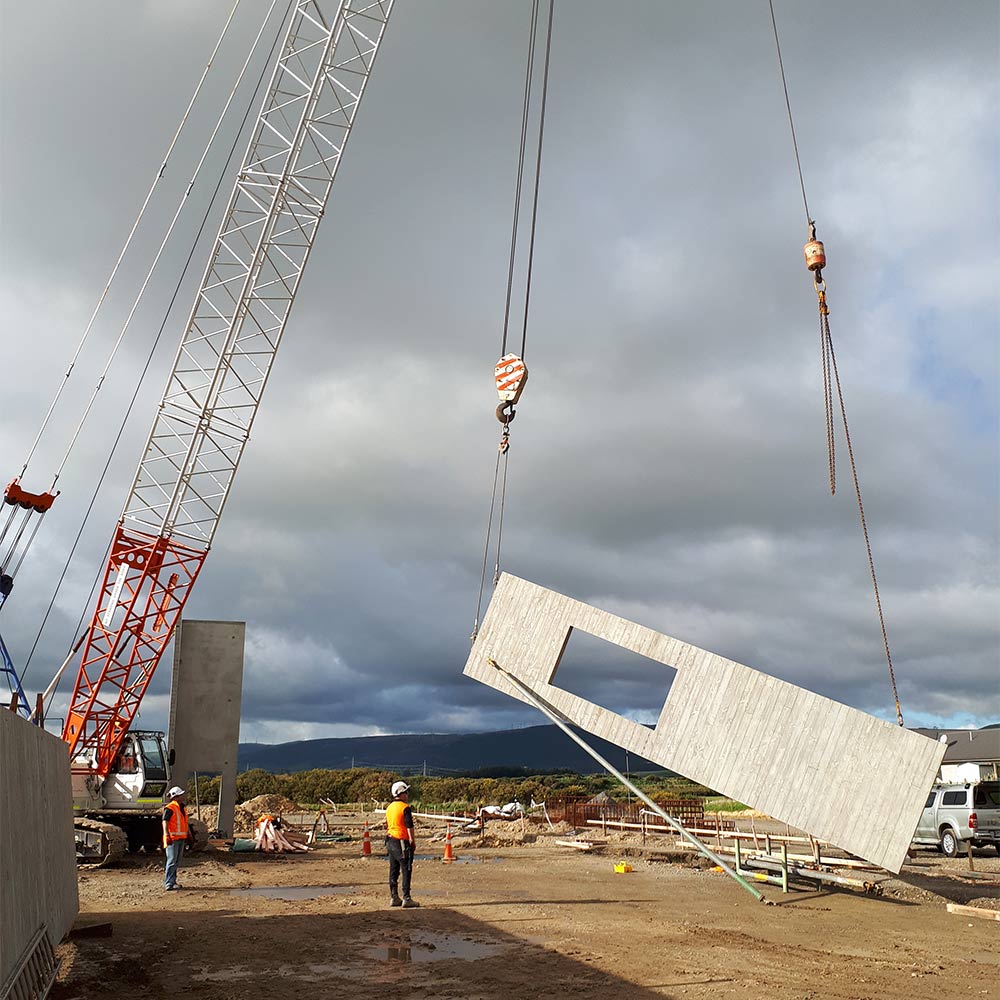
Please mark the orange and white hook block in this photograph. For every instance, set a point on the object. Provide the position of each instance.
(511, 376)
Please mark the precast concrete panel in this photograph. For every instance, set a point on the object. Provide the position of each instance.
(205, 697)
(37, 849)
(839, 774)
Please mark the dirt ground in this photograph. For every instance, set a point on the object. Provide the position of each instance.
(527, 920)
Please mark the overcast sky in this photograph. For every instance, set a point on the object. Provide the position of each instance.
(668, 462)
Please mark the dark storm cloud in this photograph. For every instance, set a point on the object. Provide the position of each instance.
(668, 462)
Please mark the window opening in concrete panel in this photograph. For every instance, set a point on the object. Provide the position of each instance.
(632, 685)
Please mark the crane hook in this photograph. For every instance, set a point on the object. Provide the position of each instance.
(506, 412)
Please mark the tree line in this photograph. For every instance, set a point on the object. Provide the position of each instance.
(364, 785)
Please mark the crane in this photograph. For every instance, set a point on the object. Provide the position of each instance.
(205, 416)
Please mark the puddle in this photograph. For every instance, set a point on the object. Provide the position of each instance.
(428, 946)
(394, 953)
(230, 975)
(297, 891)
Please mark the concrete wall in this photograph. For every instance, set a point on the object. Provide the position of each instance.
(37, 850)
(205, 699)
(837, 773)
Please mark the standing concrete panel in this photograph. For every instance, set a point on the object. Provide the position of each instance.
(840, 774)
(37, 849)
(205, 698)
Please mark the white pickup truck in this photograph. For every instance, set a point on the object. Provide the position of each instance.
(958, 813)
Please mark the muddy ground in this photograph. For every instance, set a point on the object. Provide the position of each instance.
(527, 920)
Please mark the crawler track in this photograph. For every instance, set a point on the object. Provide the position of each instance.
(114, 843)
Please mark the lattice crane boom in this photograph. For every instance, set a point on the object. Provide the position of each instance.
(222, 365)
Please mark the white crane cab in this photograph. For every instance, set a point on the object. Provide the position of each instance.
(124, 811)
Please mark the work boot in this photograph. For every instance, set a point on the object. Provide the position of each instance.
(409, 904)
(394, 900)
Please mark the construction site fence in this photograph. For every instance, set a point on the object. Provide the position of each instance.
(689, 812)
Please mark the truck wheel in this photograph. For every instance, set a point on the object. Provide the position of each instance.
(949, 843)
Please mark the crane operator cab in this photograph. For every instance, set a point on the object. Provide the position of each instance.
(137, 780)
(139, 773)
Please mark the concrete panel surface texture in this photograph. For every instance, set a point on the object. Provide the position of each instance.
(839, 774)
(37, 850)
(205, 697)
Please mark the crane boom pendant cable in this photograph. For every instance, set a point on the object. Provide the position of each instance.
(188, 466)
(14, 494)
(815, 257)
(128, 240)
(251, 104)
(163, 243)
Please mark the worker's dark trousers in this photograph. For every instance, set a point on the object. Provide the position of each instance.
(400, 860)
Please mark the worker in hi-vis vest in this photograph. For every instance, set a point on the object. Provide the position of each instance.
(175, 835)
(401, 843)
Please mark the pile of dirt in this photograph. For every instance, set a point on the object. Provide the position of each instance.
(209, 815)
(560, 829)
(247, 813)
(503, 833)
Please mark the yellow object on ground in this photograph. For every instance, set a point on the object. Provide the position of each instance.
(621, 867)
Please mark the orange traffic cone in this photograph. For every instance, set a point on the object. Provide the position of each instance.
(366, 843)
(449, 854)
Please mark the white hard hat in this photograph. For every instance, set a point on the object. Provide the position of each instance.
(175, 791)
(399, 787)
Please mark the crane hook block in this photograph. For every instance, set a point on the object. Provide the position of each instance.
(39, 502)
(511, 376)
(815, 255)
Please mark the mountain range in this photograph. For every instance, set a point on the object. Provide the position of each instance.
(531, 750)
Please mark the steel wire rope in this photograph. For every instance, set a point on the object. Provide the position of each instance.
(518, 186)
(128, 241)
(503, 500)
(518, 194)
(486, 549)
(159, 252)
(530, 268)
(788, 108)
(538, 174)
(831, 377)
(503, 452)
(149, 359)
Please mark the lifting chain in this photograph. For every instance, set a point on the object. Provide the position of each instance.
(815, 255)
(505, 436)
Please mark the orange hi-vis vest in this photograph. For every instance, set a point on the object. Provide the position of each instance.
(394, 820)
(177, 825)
